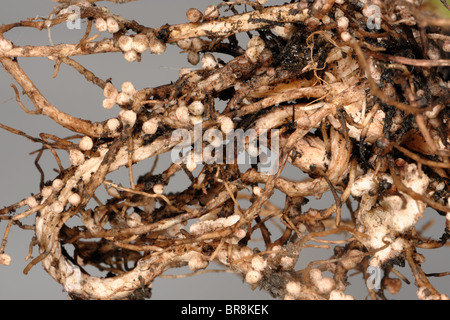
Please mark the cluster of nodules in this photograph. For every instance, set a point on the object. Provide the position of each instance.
(194, 45)
(261, 265)
(126, 117)
(255, 52)
(325, 286)
(47, 191)
(124, 98)
(76, 155)
(255, 266)
(178, 112)
(132, 46)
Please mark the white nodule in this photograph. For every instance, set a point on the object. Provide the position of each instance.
(182, 114)
(194, 15)
(130, 56)
(150, 126)
(5, 45)
(100, 24)
(140, 43)
(158, 188)
(211, 12)
(125, 43)
(129, 117)
(226, 124)
(112, 25)
(128, 88)
(196, 108)
(5, 259)
(156, 46)
(109, 91)
(86, 143)
(123, 99)
(57, 184)
(197, 262)
(208, 61)
(76, 157)
(74, 199)
(113, 124)
(108, 103)
(253, 277)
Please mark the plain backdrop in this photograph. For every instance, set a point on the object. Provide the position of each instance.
(71, 93)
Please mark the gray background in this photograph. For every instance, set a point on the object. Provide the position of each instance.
(72, 94)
